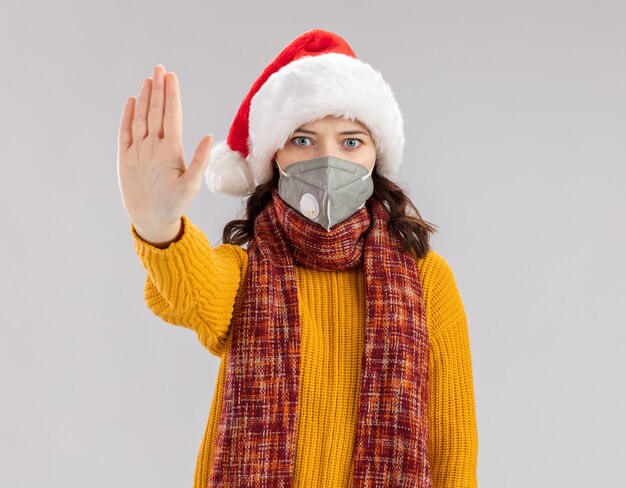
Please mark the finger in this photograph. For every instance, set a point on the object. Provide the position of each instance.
(195, 171)
(157, 102)
(125, 136)
(173, 118)
(140, 126)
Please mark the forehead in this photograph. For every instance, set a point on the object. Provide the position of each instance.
(334, 121)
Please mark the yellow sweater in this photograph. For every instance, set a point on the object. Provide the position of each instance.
(194, 285)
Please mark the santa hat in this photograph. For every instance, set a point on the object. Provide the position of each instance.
(316, 75)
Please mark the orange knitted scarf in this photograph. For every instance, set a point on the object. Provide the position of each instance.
(256, 435)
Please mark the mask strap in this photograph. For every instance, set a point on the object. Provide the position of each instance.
(368, 174)
(280, 169)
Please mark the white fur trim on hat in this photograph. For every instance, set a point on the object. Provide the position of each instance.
(227, 171)
(313, 87)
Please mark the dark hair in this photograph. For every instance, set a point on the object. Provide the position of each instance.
(411, 229)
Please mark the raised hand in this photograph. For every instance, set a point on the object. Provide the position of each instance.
(155, 183)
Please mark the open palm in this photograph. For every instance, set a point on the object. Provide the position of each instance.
(156, 185)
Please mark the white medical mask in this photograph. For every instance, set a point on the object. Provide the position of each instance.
(327, 190)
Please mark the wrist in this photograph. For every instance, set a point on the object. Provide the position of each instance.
(161, 237)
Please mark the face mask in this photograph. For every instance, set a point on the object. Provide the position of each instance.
(327, 190)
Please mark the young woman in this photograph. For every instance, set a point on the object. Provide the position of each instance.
(345, 355)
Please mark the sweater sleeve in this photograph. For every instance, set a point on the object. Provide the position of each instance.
(192, 284)
(453, 433)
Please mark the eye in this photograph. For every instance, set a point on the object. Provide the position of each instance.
(300, 140)
(353, 143)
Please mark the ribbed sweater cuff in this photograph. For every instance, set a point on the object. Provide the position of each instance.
(148, 253)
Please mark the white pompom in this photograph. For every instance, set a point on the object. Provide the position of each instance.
(228, 172)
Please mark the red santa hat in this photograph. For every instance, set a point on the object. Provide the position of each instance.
(316, 75)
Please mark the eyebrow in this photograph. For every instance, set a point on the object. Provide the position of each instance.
(346, 132)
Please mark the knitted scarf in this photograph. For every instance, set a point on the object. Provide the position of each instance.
(256, 435)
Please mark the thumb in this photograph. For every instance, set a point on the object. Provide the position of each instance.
(200, 161)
